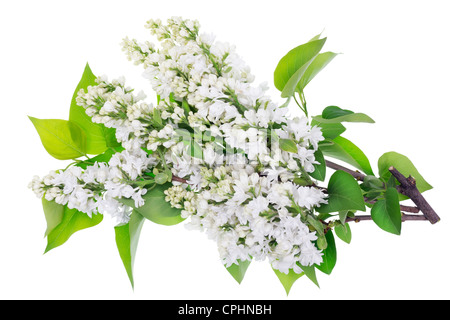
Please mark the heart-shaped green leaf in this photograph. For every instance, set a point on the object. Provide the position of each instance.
(71, 222)
(386, 212)
(344, 232)
(238, 270)
(404, 166)
(61, 138)
(98, 137)
(345, 150)
(287, 280)
(156, 208)
(344, 193)
(54, 213)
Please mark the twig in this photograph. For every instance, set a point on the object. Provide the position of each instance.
(408, 188)
(356, 174)
(175, 178)
(405, 217)
(402, 207)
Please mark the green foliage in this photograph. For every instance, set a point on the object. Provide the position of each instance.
(127, 238)
(287, 280)
(61, 138)
(238, 270)
(156, 208)
(372, 183)
(329, 254)
(54, 213)
(329, 130)
(345, 150)
(288, 145)
(71, 222)
(333, 114)
(404, 166)
(320, 169)
(293, 66)
(98, 137)
(386, 212)
(344, 193)
(344, 232)
(104, 157)
(318, 63)
(310, 272)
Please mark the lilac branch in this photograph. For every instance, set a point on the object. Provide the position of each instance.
(407, 187)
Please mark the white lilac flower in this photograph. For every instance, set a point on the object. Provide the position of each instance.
(234, 182)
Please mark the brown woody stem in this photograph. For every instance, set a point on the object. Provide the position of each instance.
(407, 187)
(405, 217)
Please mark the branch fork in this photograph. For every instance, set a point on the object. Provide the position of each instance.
(407, 187)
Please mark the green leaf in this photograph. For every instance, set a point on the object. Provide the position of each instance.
(156, 208)
(344, 232)
(344, 193)
(329, 130)
(294, 64)
(238, 270)
(127, 238)
(404, 166)
(54, 213)
(333, 114)
(316, 224)
(61, 138)
(288, 145)
(343, 215)
(348, 152)
(319, 62)
(310, 273)
(372, 183)
(98, 137)
(287, 280)
(329, 254)
(386, 212)
(104, 157)
(290, 87)
(186, 107)
(320, 169)
(321, 242)
(72, 221)
(157, 121)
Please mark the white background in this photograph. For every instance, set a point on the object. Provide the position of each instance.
(394, 66)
